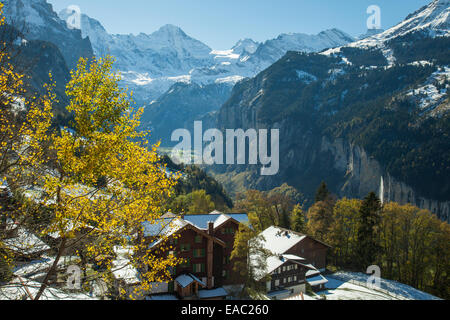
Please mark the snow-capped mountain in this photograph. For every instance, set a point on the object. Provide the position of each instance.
(433, 20)
(370, 115)
(151, 63)
(38, 21)
(166, 52)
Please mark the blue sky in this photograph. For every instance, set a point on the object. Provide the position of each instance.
(220, 24)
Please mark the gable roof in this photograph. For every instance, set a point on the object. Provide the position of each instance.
(218, 218)
(26, 243)
(186, 279)
(278, 240)
(276, 261)
(168, 227)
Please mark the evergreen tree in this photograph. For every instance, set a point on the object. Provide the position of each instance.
(368, 246)
(322, 192)
(298, 223)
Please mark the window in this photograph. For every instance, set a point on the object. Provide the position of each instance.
(185, 247)
(289, 279)
(199, 253)
(227, 231)
(277, 283)
(198, 239)
(295, 278)
(225, 274)
(296, 267)
(199, 267)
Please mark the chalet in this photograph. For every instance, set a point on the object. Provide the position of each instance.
(294, 260)
(205, 242)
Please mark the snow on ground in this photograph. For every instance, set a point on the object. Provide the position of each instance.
(393, 287)
(344, 290)
(20, 288)
(428, 96)
(353, 286)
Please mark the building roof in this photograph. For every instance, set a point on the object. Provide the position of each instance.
(186, 279)
(274, 262)
(26, 243)
(20, 288)
(317, 280)
(218, 218)
(168, 214)
(122, 268)
(312, 271)
(278, 240)
(214, 293)
(279, 292)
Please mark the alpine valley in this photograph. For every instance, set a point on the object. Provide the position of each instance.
(363, 115)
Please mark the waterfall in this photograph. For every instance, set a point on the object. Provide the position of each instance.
(382, 190)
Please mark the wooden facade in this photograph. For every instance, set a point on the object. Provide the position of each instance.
(208, 256)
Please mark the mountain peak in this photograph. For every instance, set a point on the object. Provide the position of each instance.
(433, 18)
(245, 45)
(170, 30)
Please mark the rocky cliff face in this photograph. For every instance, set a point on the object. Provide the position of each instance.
(356, 117)
(307, 158)
(360, 174)
(38, 21)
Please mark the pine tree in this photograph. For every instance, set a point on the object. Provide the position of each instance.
(322, 192)
(298, 223)
(368, 247)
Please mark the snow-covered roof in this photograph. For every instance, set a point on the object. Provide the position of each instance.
(205, 294)
(218, 218)
(278, 240)
(293, 257)
(186, 279)
(317, 280)
(168, 215)
(19, 289)
(274, 262)
(34, 268)
(122, 268)
(312, 271)
(26, 243)
(163, 227)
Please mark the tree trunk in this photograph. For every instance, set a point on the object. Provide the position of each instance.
(52, 269)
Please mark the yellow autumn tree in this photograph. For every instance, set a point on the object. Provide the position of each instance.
(24, 124)
(102, 183)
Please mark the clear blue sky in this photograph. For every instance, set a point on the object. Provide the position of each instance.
(220, 23)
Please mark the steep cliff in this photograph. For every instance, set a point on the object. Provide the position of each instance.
(369, 116)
